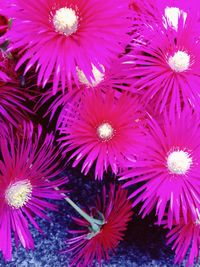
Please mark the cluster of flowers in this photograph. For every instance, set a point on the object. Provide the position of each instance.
(121, 80)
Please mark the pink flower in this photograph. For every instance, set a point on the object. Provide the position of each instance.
(27, 167)
(90, 245)
(168, 175)
(61, 36)
(166, 57)
(102, 130)
(186, 241)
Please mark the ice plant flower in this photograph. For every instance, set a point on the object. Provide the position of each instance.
(94, 242)
(186, 241)
(102, 130)
(61, 36)
(168, 175)
(166, 57)
(27, 167)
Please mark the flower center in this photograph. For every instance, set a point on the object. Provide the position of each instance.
(179, 162)
(105, 131)
(98, 76)
(180, 61)
(18, 194)
(65, 21)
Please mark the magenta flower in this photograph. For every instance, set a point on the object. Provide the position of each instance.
(168, 174)
(27, 167)
(186, 241)
(61, 36)
(166, 56)
(96, 243)
(102, 130)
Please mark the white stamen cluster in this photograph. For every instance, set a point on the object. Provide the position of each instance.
(98, 76)
(179, 162)
(180, 61)
(172, 15)
(66, 21)
(105, 131)
(18, 194)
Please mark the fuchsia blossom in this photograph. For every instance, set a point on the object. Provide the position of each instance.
(186, 240)
(101, 129)
(27, 167)
(166, 59)
(101, 59)
(60, 37)
(168, 174)
(96, 244)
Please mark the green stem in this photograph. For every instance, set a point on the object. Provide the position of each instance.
(95, 224)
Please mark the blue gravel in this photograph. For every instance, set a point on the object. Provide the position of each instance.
(144, 243)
